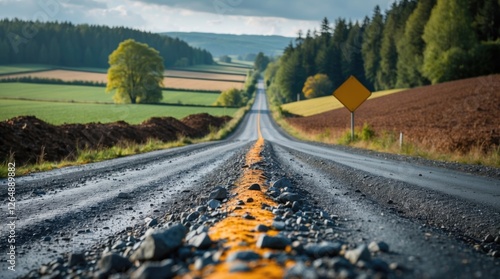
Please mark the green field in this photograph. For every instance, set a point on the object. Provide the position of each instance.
(324, 104)
(12, 69)
(60, 113)
(76, 93)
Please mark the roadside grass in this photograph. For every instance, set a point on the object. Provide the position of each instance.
(388, 142)
(323, 104)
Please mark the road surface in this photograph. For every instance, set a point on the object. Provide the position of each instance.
(430, 216)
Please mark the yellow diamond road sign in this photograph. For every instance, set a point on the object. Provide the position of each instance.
(352, 93)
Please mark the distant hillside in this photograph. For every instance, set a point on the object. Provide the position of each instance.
(239, 45)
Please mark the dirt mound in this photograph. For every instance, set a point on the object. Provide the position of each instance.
(28, 137)
(203, 121)
(452, 116)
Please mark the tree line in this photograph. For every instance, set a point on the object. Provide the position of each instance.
(413, 43)
(69, 45)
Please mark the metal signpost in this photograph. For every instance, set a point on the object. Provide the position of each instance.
(352, 94)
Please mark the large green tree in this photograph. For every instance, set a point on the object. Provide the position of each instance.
(371, 47)
(449, 38)
(135, 73)
(411, 47)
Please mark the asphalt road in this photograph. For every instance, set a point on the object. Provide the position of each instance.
(69, 209)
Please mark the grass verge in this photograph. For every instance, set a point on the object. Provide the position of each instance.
(388, 142)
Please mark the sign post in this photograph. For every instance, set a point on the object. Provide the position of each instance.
(352, 94)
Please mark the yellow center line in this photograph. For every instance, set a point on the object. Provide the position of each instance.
(238, 233)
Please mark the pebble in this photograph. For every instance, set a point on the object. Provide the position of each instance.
(239, 267)
(245, 256)
(201, 241)
(282, 183)
(113, 262)
(378, 247)
(154, 270)
(272, 242)
(254, 187)
(288, 196)
(76, 259)
(250, 200)
(360, 253)
(279, 225)
(489, 238)
(323, 249)
(213, 204)
(248, 216)
(158, 245)
(124, 196)
(219, 193)
(193, 216)
(261, 228)
(151, 222)
(300, 270)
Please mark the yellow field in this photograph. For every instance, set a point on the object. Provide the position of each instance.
(324, 104)
(201, 75)
(179, 79)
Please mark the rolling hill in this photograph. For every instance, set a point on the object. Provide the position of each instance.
(228, 44)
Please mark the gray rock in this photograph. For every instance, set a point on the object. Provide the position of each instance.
(151, 222)
(489, 238)
(154, 270)
(245, 256)
(323, 249)
(124, 196)
(201, 208)
(282, 183)
(380, 265)
(300, 270)
(261, 228)
(248, 216)
(219, 193)
(378, 247)
(288, 196)
(360, 253)
(254, 187)
(279, 225)
(120, 244)
(239, 267)
(250, 200)
(202, 262)
(114, 263)
(273, 242)
(160, 244)
(76, 259)
(193, 216)
(213, 204)
(201, 241)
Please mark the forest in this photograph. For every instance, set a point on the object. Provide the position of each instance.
(69, 45)
(413, 43)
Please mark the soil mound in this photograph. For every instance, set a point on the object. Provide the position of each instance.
(203, 122)
(30, 139)
(452, 116)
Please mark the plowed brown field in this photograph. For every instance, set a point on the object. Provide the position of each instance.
(451, 117)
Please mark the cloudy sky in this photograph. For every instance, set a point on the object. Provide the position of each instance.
(268, 17)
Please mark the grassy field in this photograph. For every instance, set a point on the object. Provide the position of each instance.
(11, 69)
(75, 93)
(323, 104)
(60, 113)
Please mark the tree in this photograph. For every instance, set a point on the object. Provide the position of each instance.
(449, 37)
(225, 59)
(372, 42)
(261, 62)
(135, 73)
(230, 98)
(317, 86)
(411, 47)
